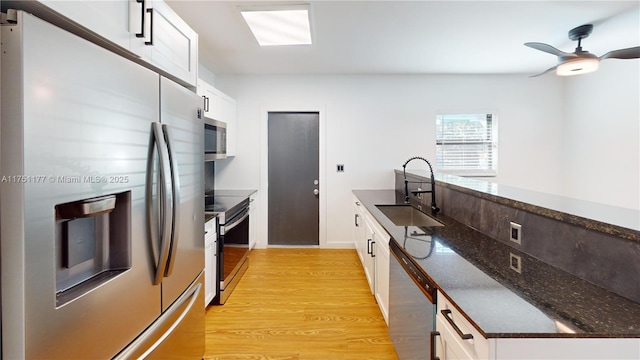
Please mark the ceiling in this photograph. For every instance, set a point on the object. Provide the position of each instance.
(412, 37)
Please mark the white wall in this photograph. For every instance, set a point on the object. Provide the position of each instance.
(602, 135)
(374, 123)
(206, 75)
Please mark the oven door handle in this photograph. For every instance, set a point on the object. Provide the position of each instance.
(228, 227)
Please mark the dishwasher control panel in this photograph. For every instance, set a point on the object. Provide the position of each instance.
(414, 272)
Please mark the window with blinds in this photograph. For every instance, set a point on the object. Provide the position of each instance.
(467, 144)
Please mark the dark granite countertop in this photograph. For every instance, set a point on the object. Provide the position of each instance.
(608, 219)
(542, 301)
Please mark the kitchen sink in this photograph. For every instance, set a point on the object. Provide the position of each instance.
(407, 215)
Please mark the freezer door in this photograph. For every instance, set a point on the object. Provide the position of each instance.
(185, 140)
(177, 334)
(75, 125)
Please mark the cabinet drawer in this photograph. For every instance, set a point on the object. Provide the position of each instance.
(458, 338)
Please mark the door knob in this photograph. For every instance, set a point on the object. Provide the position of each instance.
(316, 192)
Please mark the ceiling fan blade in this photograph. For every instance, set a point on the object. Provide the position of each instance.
(544, 72)
(630, 53)
(547, 48)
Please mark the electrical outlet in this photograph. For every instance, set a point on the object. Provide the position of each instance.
(516, 233)
(419, 195)
(340, 167)
(515, 263)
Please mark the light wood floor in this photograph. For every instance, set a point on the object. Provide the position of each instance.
(299, 304)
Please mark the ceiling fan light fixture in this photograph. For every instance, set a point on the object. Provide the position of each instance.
(578, 66)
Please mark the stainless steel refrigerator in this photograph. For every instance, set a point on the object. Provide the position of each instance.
(101, 202)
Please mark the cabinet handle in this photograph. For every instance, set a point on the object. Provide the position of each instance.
(205, 103)
(432, 337)
(150, 42)
(369, 246)
(141, 33)
(356, 220)
(373, 252)
(447, 315)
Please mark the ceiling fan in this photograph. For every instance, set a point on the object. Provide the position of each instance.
(580, 61)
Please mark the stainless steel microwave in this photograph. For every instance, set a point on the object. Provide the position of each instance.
(215, 139)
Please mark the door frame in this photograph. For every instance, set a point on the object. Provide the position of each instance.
(264, 168)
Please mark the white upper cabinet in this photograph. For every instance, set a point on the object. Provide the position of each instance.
(108, 19)
(210, 100)
(228, 110)
(146, 31)
(162, 38)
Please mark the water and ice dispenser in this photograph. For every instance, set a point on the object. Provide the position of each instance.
(93, 243)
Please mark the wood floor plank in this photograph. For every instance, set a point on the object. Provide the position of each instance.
(299, 304)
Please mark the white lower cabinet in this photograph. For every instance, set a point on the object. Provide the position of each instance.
(468, 343)
(458, 339)
(253, 220)
(372, 246)
(358, 230)
(381, 257)
(368, 261)
(210, 260)
(568, 349)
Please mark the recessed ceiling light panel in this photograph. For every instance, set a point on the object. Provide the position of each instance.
(279, 26)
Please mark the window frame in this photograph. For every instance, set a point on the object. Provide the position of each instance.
(489, 138)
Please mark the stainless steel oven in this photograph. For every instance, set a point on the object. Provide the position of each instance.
(215, 139)
(233, 244)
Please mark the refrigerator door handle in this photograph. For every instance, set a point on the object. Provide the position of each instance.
(175, 184)
(165, 196)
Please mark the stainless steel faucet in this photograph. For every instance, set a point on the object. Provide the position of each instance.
(434, 208)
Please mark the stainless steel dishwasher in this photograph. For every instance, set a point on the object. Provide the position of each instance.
(412, 307)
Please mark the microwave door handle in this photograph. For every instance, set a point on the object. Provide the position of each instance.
(175, 200)
(164, 200)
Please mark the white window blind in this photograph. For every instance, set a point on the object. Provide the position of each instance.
(467, 144)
